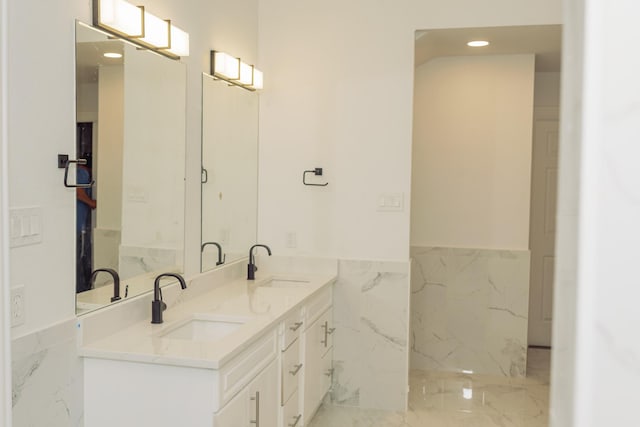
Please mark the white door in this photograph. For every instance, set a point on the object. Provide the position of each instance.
(544, 180)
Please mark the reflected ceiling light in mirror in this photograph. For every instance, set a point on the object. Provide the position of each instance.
(478, 43)
(114, 55)
(232, 70)
(138, 26)
(467, 393)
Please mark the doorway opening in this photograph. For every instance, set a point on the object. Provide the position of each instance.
(483, 118)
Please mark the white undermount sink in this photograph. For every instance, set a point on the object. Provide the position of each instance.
(204, 327)
(282, 282)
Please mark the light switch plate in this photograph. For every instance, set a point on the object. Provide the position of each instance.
(391, 202)
(25, 226)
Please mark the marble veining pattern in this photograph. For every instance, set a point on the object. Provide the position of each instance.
(371, 302)
(139, 260)
(451, 399)
(469, 310)
(47, 378)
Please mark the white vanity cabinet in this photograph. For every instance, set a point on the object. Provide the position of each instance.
(266, 373)
(318, 354)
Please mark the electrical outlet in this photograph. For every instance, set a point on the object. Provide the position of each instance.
(17, 306)
(291, 239)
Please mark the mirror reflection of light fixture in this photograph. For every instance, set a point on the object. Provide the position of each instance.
(467, 393)
(113, 55)
(138, 26)
(478, 43)
(232, 70)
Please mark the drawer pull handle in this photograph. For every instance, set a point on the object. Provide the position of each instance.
(257, 400)
(331, 330)
(325, 326)
(295, 326)
(329, 372)
(297, 420)
(296, 370)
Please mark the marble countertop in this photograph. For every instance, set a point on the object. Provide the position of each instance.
(262, 307)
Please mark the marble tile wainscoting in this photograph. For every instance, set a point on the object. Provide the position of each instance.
(469, 310)
(47, 378)
(371, 351)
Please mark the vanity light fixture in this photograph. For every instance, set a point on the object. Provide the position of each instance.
(114, 55)
(119, 17)
(135, 24)
(232, 70)
(157, 32)
(478, 43)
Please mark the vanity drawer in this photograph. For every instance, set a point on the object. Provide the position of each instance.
(245, 366)
(292, 326)
(291, 415)
(318, 305)
(291, 370)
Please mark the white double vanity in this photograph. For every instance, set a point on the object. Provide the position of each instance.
(230, 353)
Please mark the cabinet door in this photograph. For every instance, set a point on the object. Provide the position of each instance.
(263, 398)
(235, 413)
(315, 347)
(257, 404)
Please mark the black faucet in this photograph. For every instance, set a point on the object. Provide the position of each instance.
(221, 258)
(251, 268)
(116, 281)
(157, 305)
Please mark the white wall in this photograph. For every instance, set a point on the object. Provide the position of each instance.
(41, 125)
(597, 352)
(338, 94)
(472, 152)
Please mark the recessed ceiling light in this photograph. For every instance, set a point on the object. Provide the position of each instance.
(478, 43)
(112, 55)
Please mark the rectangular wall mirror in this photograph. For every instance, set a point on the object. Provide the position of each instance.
(130, 114)
(229, 172)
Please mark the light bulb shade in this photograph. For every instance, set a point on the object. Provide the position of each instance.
(156, 31)
(120, 17)
(225, 66)
(179, 42)
(258, 79)
(246, 74)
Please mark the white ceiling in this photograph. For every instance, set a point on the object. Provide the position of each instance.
(545, 41)
(91, 45)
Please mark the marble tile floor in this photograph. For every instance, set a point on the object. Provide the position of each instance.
(450, 399)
